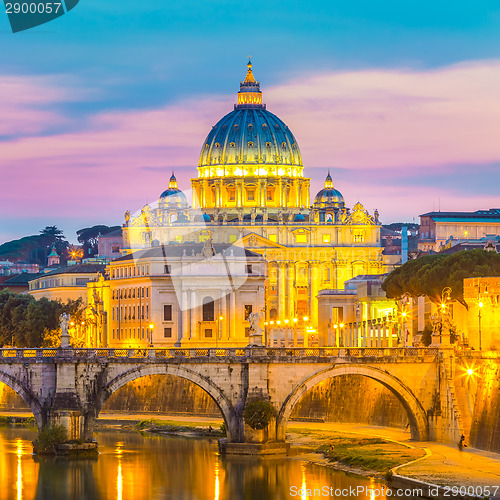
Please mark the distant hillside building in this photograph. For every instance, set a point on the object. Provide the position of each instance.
(438, 228)
(110, 244)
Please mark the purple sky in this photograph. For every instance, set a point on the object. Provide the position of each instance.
(405, 128)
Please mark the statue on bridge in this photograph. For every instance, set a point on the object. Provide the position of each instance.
(64, 322)
(255, 334)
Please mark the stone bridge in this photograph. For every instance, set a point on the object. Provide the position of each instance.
(70, 386)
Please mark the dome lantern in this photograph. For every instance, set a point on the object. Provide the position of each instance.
(249, 94)
(173, 196)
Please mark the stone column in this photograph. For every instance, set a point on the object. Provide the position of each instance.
(290, 299)
(184, 324)
(193, 315)
(313, 292)
(224, 313)
(281, 290)
(389, 335)
(232, 317)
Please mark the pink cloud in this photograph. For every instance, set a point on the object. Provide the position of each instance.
(394, 118)
(371, 119)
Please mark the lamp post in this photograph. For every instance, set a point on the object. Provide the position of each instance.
(445, 297)
(405, 299)
(151, 326)
(480, 304)
(219, 331)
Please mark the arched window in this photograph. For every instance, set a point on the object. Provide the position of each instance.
(250, 144)
(208, 309)
(268, 144)
(173, 218)
(232, 145)
(273, 314)
(283, 145)
(217, 145)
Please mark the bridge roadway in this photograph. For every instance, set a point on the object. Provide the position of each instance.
(69, 386)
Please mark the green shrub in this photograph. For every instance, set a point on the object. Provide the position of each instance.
(49, 438)
(258, 414)
(223, 429)
(30, 422)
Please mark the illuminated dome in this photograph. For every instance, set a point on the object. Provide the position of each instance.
(329, 196)
(173, 196)
(250, 141)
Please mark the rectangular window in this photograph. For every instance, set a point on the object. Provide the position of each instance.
(142, 312)
(208, 333)
(147, 312)
(249, 268)
(232, 238)
(326, 238)
(250, 195)
(301, 238)
(167, 269)
(248, 311)
(230, 194)
(147, 292)
(167, 333)
(273, 238)
(167, 312)
(269, 195)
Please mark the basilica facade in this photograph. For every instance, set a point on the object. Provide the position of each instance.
(251, 192)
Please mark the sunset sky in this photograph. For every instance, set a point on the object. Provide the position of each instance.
(401, 100)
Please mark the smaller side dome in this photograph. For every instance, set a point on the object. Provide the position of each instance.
(299, 218)
(329, 197)
(173, 196)
(206, 218)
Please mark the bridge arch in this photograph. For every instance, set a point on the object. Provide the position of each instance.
(234, 431)
(416, 413)
(27, 396)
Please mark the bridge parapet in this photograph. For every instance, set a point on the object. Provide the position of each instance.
(211, 354)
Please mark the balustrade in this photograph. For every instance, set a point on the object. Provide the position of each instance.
(162, 354)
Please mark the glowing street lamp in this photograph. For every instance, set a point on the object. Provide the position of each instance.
(480, 304)
(151, 326)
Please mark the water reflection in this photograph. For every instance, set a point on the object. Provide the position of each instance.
(131, 466)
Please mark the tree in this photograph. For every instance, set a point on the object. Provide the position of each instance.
(89, 237)
(51, 236)
(26, 322)
(430, 274)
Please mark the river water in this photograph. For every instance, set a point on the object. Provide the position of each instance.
(136, 467)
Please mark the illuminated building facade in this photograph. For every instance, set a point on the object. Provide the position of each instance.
(251, 192)
(441, 230)
(177, 295)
